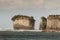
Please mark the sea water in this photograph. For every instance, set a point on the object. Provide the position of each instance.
(5, 35)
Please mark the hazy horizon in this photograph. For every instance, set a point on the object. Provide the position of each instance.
(35, 8)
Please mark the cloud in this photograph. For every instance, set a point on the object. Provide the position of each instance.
(49, 4)
(52, 4)
(21, 3)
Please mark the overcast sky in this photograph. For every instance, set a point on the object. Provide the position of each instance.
(36, 8)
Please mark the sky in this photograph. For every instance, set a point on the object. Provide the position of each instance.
(35, 8)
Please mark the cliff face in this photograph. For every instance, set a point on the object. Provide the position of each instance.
(23, 22)
(53, 22)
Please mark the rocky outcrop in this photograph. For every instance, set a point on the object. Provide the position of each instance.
(43, 23)
(23, 22)
(51, 23)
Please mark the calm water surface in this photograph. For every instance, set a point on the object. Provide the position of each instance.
(29, 36)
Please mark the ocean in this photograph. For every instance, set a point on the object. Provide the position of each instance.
(26, 35)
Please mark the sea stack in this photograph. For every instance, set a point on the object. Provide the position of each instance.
(53, 22)
(23, 22)
(43, 23)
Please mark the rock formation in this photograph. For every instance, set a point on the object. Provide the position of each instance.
(53, 22)
(43, 23)
(23, 22)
